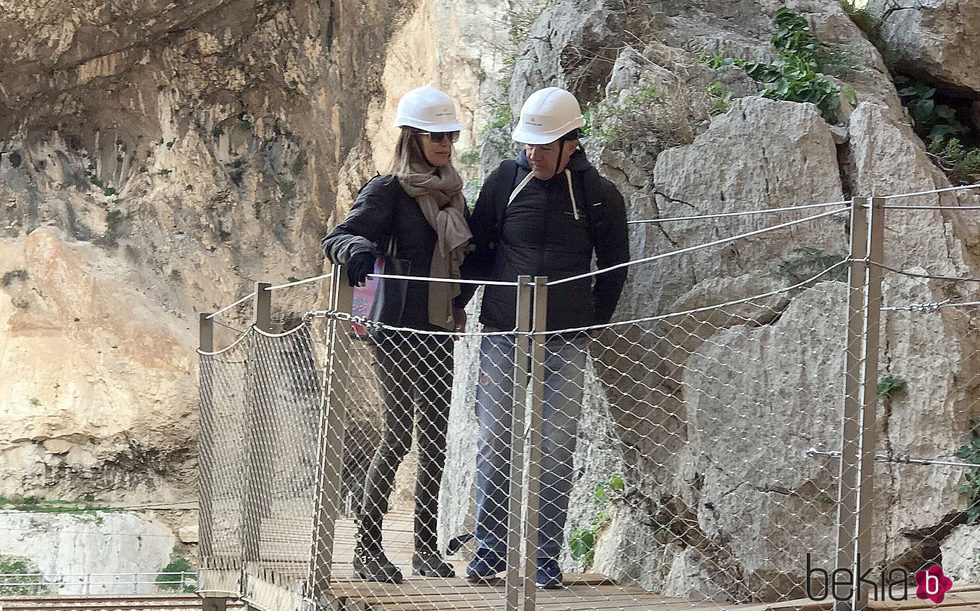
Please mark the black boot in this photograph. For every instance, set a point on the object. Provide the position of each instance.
(370, 562)
(430, 564)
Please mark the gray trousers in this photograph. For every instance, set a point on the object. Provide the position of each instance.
(416, 376)
(563, 388)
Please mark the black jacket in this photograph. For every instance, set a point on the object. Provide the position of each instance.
(384, 211)
(539, 235)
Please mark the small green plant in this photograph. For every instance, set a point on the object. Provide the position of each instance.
(178, 564)
(469, 157)
(649, 116)
(35, 402)
(522, 16)
(92, 178)
(891, 386)
(288, 189)
(795, 73)
(952, 145)
(495, 133)
(961, 164)
(109, 191)
(583, 540)
(970, 452)
(20, 570)
(932, 120)
(723, 98)
(36, 504)
(12, 276)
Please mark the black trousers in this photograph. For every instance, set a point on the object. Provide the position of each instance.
(416, 376)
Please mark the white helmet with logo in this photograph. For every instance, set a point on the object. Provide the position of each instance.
(428, 109)
(547, 115)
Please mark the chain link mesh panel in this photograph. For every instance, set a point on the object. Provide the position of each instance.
(222, 454)
(283, 415)
(673, 455)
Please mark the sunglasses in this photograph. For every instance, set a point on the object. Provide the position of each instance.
(440, 136)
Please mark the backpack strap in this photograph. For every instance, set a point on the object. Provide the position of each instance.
(594, 205)
(508, 175)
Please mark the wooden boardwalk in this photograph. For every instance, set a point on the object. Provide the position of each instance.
(286, 550)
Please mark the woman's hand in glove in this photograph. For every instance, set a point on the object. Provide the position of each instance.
(358, 268)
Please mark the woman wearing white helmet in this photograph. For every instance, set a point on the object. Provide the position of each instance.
(419, 209)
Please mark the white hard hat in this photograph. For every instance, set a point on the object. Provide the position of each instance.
(428, 109)
(547, 115)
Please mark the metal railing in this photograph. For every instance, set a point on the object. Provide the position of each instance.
(788, 370)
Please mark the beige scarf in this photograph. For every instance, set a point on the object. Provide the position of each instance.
(439, 194)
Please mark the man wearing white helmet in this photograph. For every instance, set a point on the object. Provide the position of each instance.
(544, 214)
(416, 213)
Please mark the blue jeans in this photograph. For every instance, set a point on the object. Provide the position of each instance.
(563, 387)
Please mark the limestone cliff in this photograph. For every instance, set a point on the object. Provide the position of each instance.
(683, 132)
(156, 159)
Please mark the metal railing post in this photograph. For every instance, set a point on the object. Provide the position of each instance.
(252, 512)
(330, 454)
(205, 441)
(869, 432)
(522, 350)
(539, 326)
(847, 494)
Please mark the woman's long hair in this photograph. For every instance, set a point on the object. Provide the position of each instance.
(407, 153)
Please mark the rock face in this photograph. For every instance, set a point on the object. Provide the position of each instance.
(155, 160)
(935, 39)
(67, 428)
(68, 548)
(712, 412)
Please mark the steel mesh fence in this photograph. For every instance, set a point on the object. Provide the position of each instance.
(283, 415)
(723, 454)
(222, 454)
(685, 435)
(260, 412)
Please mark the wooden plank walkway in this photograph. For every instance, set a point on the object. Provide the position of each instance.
(286, 551)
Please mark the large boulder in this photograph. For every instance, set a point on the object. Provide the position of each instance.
(933, 39)
(571, 45)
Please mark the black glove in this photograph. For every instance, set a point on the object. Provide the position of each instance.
(358, 267)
